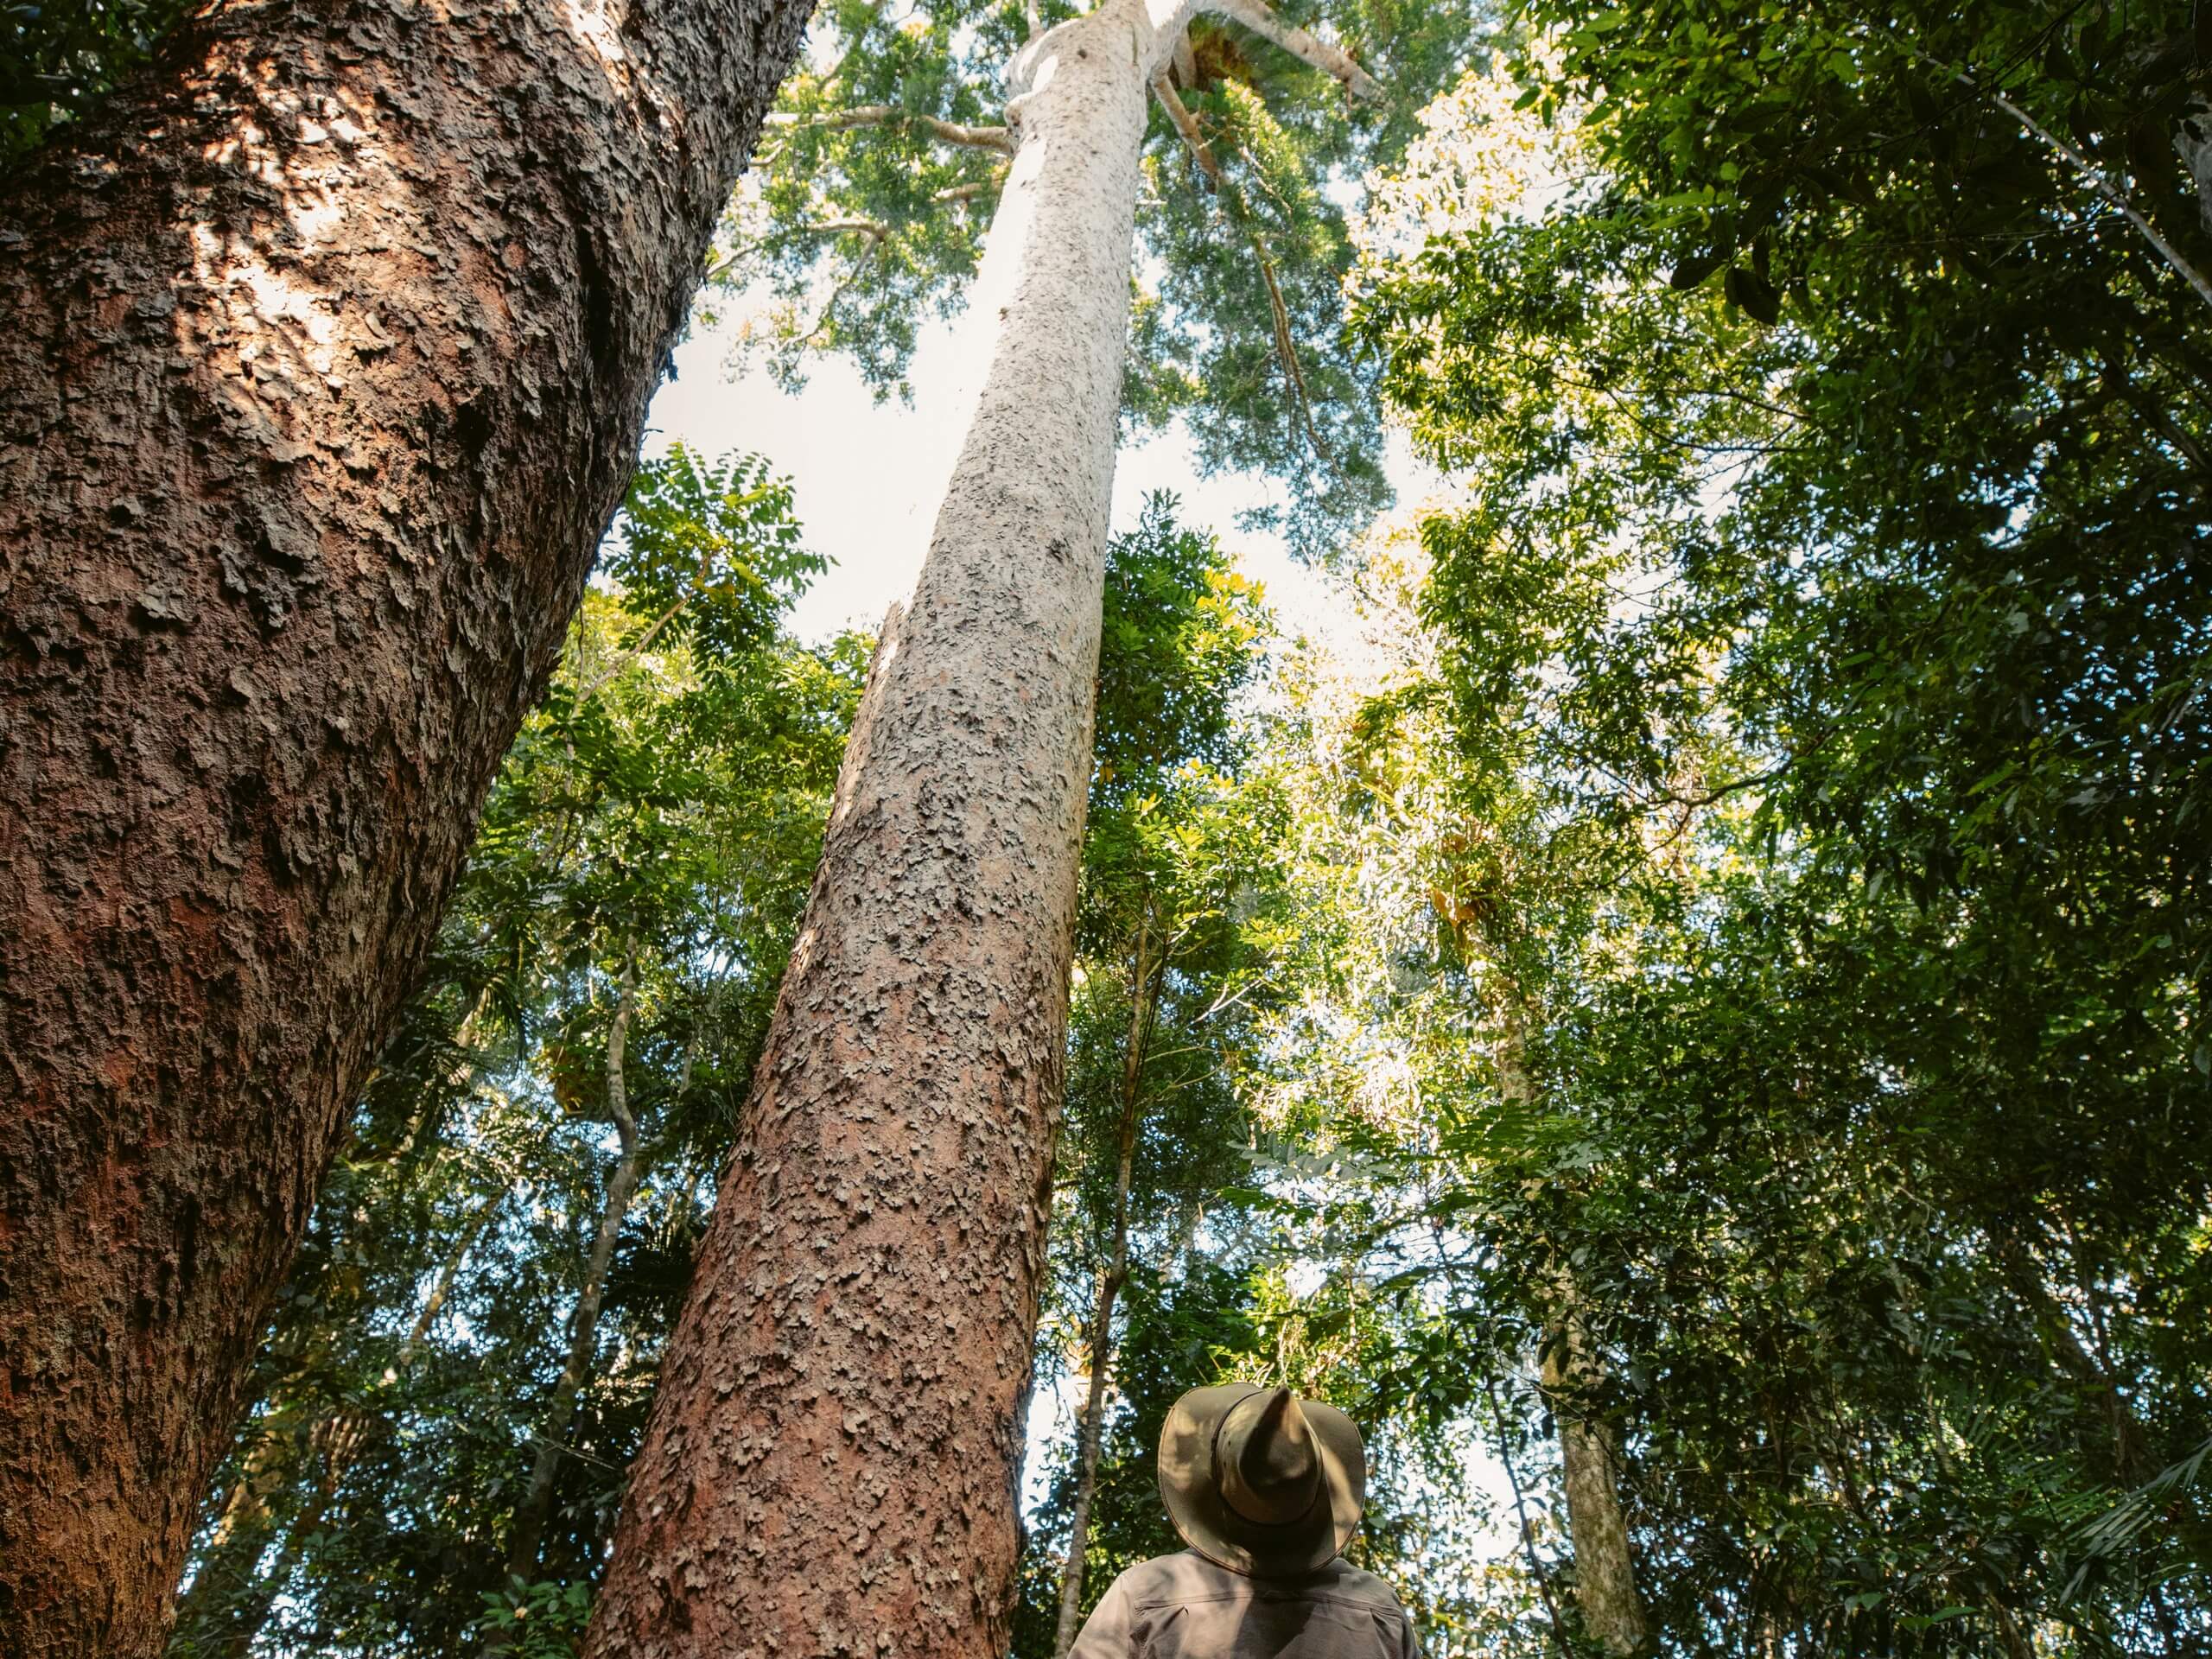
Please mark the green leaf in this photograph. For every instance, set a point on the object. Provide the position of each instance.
(1753, 295)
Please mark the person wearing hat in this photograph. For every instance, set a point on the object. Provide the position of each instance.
(1265, 1489)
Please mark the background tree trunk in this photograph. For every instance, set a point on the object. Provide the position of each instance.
(230, 1598)
(323, 356)
(1142, 999)
(831, 1464)
(1605, 1568)
(583, 1324)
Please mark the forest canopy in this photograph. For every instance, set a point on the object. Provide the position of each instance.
(1682, 1010)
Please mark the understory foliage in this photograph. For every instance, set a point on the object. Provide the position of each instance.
(57, 59)
(1810, 730)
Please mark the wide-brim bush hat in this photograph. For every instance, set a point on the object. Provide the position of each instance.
(1261, 1482)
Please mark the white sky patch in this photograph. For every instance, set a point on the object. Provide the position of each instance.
(868, 476)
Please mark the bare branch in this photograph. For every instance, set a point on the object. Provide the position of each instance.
(636, 651)
(883, 115)
(1188, 125)
(2104, 187)
(1260, 18)
(974, 189)
(722, 264)
(1288, 351)
(874, 230)
(858, 269)
(1034, 17)
(1279, 313)
(2097, 179)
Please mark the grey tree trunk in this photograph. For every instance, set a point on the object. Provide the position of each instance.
(583, 1324)
(1570, 1368)
(323, 356)
(2121, 1448)
(1142, 995)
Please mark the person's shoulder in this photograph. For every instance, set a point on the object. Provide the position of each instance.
(1180, 1577)
(1187, 1576)
(1343, 1581)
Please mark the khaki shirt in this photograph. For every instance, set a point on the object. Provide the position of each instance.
(1185, 1607)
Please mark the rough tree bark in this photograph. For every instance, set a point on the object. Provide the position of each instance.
(831, 1461)
(1569, 1369)
(1143, 998)
(583, 1324)
(323, 356)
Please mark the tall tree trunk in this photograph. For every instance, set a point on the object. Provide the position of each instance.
(831, 1463)
(832, 1459)
(583, 1324)
(1569, 1369)
(1590, 1455)
(1142, 1000)
(323, 356)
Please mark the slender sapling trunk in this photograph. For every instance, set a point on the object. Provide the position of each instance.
(1141, 1002)
(583, 1324)
(1605, 1568)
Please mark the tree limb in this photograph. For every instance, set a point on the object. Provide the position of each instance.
(2098, 180)
(1261, 19)
(1188, 125)
(883, 115)
(1194, 138)
(844, 283)
(2105, 187)
(972, 189)
(874, 230)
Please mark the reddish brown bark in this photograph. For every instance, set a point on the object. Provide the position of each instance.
(829, 1469)
(323, 356)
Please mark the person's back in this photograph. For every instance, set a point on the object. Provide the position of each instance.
(1266, 1490)
(1184, 1607)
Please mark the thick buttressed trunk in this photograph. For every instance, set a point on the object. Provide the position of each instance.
(830, 1465)
(323, 358)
